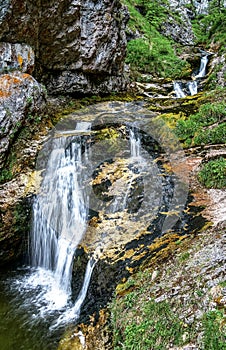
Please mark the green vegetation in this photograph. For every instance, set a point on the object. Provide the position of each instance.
(213, 173)
(211, 27)
(151, 326)
(204, 127)
(6, 174)
(141, 323)
(213, 338)
(152, 52)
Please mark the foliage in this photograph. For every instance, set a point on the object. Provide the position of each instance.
(152, 327)
(213, 174)
(152, 52)
(156, 57)
(140, 323)
(212, 136)
(204, 127)
(213, 339)
(211, 27)
(6, 174)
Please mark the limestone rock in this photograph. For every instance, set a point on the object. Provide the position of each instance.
(16, 57)
(20, 95)
(79, 45)
(180, 31)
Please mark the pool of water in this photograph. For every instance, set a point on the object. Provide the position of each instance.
(27, 318)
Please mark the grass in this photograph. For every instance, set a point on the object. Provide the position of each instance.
(140, 323)
(153, 326)
(213, 338)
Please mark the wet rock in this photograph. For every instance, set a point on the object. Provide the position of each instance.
(21, 96)
(96, 335)
(79, 46)
(16, 57)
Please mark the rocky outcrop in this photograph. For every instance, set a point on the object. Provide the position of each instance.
(79, 45)
(20, 98)
(179, 30)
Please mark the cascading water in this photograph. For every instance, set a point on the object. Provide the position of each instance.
(178, 90)
(201, 6)
(59, 217)
(191, 87)
(41, 298)
(202, 68)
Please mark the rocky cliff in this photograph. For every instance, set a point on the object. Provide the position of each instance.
(79, 46)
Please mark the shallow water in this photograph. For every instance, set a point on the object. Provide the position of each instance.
(25, 315)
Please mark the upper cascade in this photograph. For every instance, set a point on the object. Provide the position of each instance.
(191, 88)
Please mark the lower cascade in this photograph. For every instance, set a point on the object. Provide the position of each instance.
(107, 169)
(60, 213)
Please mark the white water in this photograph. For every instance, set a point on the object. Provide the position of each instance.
(178, 90)
(181, 89)
(202, 69)
(74, 312)
(135, 146)
(193, 87)
(59, 221)
(202, 6)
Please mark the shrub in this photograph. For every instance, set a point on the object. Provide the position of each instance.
(213, 174)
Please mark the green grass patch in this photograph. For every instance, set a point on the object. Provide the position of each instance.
(213, 174)
(213, 338)
(154, 326)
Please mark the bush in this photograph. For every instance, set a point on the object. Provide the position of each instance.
(198, 129)
(213, 174)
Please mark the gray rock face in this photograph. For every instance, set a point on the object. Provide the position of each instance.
(20, 94)
(16, 57)
(180, 31)
(74, 41)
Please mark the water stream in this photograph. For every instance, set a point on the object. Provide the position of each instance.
(182, 89)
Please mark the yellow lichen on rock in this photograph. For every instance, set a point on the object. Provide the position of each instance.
(20, 60)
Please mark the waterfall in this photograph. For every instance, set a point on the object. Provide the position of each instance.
(74, 312)
(202, 69)
(201, 6)
(135, 146)
(178, 90)
(193, 87)
(182, 89)
(59, 216)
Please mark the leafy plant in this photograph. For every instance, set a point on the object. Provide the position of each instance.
(152, 52)
(213, 174)
(204, 127)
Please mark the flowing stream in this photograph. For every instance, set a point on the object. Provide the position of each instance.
(182, 89)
